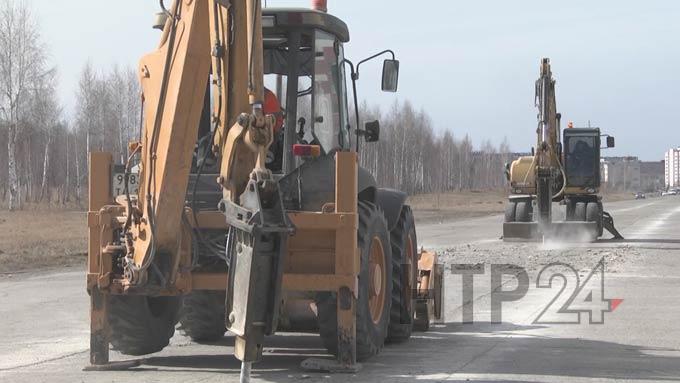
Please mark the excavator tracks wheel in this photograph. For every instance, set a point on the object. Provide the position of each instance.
(404, 276)
(202, 316)
(523, 211)
(375, 287)
(580, 211)
(570, 208)
(510, 208)
(594, 214)
(142, 325)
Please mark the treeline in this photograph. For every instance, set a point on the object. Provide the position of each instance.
(30, 115)
(43, 156)
(412, 157)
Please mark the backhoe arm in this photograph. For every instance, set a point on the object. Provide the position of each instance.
(200, 38)
(547, 162)
(173, 101)
(220, 41)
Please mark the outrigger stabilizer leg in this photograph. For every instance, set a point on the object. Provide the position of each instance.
(608, 223)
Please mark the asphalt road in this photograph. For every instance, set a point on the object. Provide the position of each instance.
(44, 319)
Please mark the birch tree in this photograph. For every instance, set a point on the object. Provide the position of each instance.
(22, 62)
(45, 114)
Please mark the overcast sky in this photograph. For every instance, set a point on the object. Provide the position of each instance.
(470, 64)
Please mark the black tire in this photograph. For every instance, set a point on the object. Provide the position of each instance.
(202, 316)
(571, 206)
(523, 211)
(404, 276)
(370, 336)
(580, 211)
(510, 208)
(594, 214)
(142, 325)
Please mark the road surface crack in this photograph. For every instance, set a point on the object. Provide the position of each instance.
(44, 361)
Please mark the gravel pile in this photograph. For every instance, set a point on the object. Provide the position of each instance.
(534, 256)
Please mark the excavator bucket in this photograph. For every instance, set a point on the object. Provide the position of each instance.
(430, 292)
(520, 231)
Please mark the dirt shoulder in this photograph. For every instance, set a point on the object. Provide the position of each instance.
(441, 207)
(459, 205)
(42, 239)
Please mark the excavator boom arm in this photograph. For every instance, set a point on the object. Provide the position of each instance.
(547, 158)
(220, 41)
(204, 41)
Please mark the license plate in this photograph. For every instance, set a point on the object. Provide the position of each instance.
(118, 182)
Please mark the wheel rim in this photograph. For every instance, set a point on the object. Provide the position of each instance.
(376, 280)
(409, 263)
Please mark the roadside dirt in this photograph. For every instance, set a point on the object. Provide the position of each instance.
(441, 207)
(430, 208)
(40, 239)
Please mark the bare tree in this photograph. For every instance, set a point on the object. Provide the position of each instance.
(85, 103)
(107, 116)
(85, 121)
(45, 113)
(123, 107)
(22, 62)
(78, 180)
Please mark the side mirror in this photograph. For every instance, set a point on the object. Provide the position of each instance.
(159, 21)
(372, 131)
(610, 142)
(390, 75)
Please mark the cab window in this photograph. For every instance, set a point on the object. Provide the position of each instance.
(330, 113)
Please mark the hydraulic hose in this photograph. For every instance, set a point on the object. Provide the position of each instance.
(217, 53)
(154, 136)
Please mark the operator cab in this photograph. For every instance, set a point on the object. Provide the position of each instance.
(582, 157)
(304, 67)
(306, 71)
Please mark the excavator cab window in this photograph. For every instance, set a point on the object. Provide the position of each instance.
(582, 159)
(304, 68)
(284, 66)
(330, 110)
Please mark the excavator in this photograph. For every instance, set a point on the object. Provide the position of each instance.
(232, 216)
(565, 171)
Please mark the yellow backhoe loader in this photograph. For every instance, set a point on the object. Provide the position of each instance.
(565, 171)
(246, 219)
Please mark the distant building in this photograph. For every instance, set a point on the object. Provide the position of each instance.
(652, 175)
(672, 171)
(621, 173)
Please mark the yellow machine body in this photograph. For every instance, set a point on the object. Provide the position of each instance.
(218, 43)
(522, 177)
